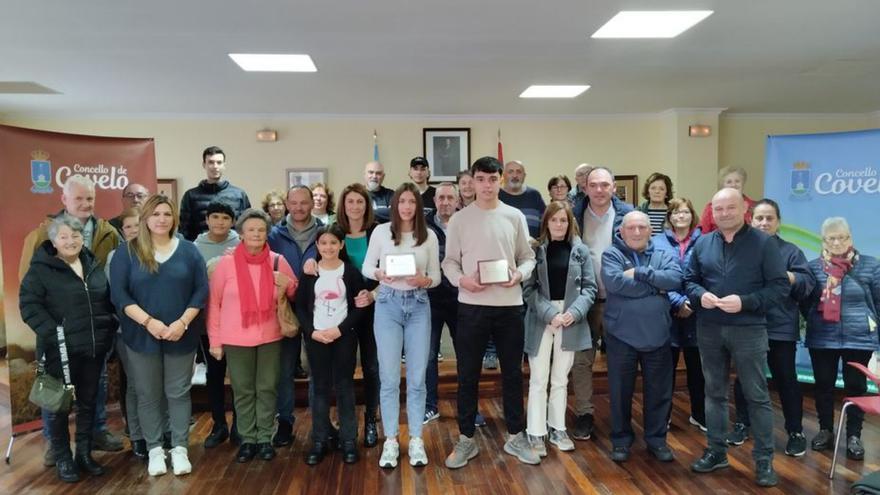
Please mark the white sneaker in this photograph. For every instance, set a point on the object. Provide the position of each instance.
(180, 461)
(157, 467)
(417, 455)
(200, 374)
(390, 453)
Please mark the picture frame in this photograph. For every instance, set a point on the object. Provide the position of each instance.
(627, 188)
(168, 188)
(448, 151)
(305, 176)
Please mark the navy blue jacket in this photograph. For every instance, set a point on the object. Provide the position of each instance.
(750, 267)
(445, 289)
(620, 209)
(637, 309)
(783, 320)
(859, 289)
(195, 203)
(684, 330)
(282, 243)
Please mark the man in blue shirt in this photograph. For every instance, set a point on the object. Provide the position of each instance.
(517, 194)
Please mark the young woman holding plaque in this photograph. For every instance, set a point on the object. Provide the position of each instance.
(403, 257)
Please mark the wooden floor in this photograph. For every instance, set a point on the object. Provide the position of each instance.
(587, 470)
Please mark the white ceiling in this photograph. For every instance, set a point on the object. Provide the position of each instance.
(412, 57)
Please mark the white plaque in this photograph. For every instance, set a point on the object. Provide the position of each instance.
(493, 271)
(400, 265)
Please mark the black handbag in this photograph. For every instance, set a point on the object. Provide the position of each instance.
(49, 392)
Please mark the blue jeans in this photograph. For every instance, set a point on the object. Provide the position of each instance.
(748, 347)
(402, 322)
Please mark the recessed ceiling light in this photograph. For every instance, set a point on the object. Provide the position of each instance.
(650, 24)
(539, 91)
(269, 62)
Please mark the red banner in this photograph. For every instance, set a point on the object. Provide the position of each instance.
(35, 166)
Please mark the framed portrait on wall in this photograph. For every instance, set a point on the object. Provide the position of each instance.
(305, 176)
(627, 188)
(168, 188)
(448, 151)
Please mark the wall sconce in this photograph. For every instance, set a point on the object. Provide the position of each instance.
(267, 136)
(699, 130)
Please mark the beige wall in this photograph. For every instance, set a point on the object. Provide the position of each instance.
(638, 144)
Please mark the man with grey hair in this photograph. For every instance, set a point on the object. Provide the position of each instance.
(636, 278)
(374, 175)
(101, 238)
(580, 177)
(736, 274)
(134, 195)
(526, 199)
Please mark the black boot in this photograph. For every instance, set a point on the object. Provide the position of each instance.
(371, 433)
(316, 454)
(66, 469)
(84, 461)
(218, 435)
(139, 449)
(284, 434)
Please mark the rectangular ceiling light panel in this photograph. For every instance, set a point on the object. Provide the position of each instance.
(650, 24)
(269, 62)
(545, 91)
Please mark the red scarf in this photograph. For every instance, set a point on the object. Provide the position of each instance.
(252, 311)
(835, 267)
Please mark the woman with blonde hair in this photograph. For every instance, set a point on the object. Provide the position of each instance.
(159, 285)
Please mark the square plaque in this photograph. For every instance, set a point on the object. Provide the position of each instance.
(400, 265)
(493, 271)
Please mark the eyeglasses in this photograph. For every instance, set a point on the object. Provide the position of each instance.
(559, 186)
(837, 239)
(680, 213)
(133, 195)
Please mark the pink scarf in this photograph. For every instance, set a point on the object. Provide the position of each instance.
(253, 312)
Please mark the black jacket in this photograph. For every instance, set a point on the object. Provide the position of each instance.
(305, 300)
(52, 294)
(751, 267)
(195, 202)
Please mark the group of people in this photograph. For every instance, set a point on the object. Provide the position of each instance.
(380, 273)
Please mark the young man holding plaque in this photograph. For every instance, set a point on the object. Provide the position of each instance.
(487, 256)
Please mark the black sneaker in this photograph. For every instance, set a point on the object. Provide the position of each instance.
(710, 462)
(854, 449)
(764, 473)
(739, 435)
(284, 434)
(797, 444)
(822, 441)
(583, 427)
(620, 454)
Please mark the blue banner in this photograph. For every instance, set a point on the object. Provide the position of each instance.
(816, 176)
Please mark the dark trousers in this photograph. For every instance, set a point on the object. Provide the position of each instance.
(216, 385)
(85, 371)
(623, 365)
(444, 310)
(332, 366)
(696, 384)
(747, 346)
(291, 347)
(780, 359)
(825, 366)
(476, 324)
(366, 343)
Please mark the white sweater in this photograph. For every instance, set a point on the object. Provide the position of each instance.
(381, 244)
(475, 234)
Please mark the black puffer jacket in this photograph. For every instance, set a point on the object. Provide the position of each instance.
(196, 200)
(52, 293)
